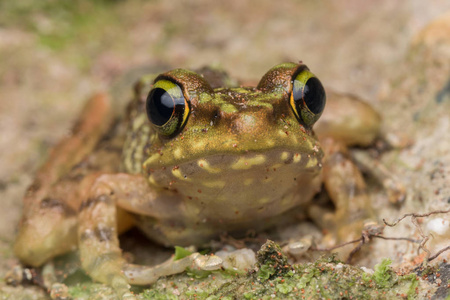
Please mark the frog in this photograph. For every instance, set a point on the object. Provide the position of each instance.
(190, 159)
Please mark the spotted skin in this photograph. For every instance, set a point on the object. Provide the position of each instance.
(240, 161)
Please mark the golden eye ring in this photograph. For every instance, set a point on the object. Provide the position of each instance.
(167, 107)
(307, 98)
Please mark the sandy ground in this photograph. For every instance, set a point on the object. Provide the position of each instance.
(54, 56)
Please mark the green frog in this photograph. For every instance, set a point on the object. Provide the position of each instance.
(193, 159)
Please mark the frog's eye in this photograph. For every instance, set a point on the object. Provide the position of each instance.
(167, 107)
(307, 97)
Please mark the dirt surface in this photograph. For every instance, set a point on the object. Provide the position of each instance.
(54, 54)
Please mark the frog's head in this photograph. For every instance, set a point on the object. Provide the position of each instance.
(201, 134)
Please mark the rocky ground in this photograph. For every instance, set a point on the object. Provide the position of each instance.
(395, 55)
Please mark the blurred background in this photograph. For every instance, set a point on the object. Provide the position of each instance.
(55, 53)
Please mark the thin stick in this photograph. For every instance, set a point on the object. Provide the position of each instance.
(366, 235)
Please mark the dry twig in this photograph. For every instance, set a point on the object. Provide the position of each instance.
(425, 237)
(375, 232)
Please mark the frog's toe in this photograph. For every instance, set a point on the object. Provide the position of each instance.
(59, 291)
(143, 275)
(122, 288)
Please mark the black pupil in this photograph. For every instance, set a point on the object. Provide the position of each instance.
(314, 95)
(160, 106)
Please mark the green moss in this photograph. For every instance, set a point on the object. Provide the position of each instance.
(181, 252)
(91, 291)
(428, 269)
(271, 261)
(326, 278)
(284, 288)
(412, 291)
(198, 274)
(156, 295)
(383, 274)
(265, 272)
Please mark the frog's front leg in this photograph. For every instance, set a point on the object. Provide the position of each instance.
(98, 240)
(100, 253)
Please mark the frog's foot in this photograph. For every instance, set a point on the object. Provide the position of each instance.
(337, 228)
(349, 236)
(369, 230)
(143, 275)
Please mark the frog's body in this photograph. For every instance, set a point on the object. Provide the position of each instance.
(220, 160)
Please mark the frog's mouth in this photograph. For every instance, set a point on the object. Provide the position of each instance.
(243, 170)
